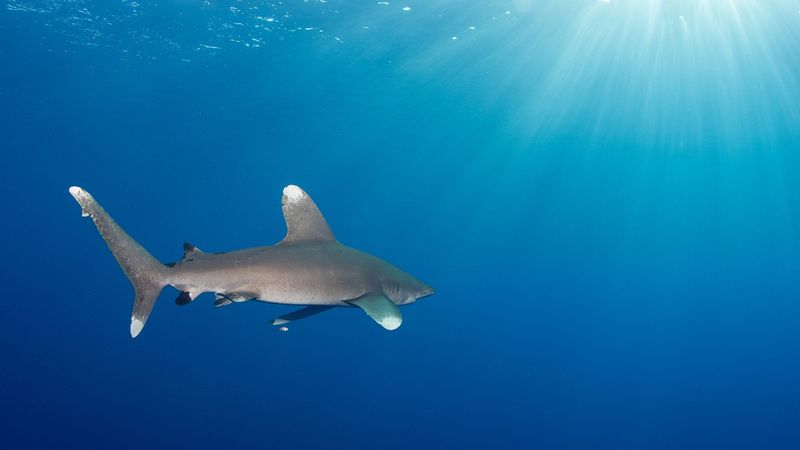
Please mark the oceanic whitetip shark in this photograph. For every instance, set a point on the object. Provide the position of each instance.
(308, 267)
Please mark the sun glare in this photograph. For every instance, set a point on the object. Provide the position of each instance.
(681, 73)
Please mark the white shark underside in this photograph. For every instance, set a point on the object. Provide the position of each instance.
(308, 267)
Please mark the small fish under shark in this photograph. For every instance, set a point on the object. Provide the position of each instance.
(309, 267)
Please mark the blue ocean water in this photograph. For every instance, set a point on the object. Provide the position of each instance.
(604, 194)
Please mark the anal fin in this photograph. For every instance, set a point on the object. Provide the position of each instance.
(184, 298)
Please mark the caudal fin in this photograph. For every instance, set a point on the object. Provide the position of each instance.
(146, 274)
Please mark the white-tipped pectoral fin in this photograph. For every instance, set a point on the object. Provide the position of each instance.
(380, 309)
(136, 326)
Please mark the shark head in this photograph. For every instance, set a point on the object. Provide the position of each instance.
(403, 288)
(425, 291)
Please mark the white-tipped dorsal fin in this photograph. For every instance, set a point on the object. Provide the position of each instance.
(304, 222)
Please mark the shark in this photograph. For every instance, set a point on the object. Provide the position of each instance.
(308, 268)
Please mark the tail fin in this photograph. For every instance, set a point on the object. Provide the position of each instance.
(146, 274)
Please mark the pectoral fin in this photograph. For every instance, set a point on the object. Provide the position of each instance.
(381, 309)
(301, 313)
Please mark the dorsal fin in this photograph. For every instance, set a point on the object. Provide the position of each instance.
(304, 222)
(189, 250)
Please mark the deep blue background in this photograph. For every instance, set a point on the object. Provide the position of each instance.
(605, 197)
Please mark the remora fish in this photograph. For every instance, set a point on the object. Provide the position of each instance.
(308, 267)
